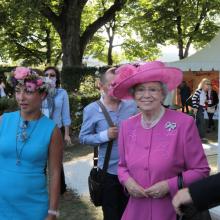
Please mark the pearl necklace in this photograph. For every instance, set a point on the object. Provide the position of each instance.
(148, 125)
(23, 136)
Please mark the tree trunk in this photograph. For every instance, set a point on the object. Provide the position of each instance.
(48, 46)
(110, 29)
(67, 24)
(110, 60)
(71, 47)
(178, 27)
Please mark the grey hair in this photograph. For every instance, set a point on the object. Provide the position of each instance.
(163, 87)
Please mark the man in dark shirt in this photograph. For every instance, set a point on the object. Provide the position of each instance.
(185, 92)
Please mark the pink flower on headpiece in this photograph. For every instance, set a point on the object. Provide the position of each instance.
(123, 72)
(21, 72)
(30, 86)
(39, 82)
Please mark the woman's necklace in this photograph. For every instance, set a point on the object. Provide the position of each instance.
(148, 125)
(23, 136)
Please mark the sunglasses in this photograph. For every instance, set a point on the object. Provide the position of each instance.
(50, 74)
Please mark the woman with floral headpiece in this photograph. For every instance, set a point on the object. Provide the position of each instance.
(157, 144)
(28, 139)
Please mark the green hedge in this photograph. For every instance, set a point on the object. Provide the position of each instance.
(77, 104)
(7, 105)
(71, 77)
(4, 69)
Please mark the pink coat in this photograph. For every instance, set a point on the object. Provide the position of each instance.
(156, 154)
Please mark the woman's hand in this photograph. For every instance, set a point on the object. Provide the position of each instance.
(134, 189)
(158, 190)
(112, 133)
(181, 198)
(195, 110)
(67, 139)
(51, 217)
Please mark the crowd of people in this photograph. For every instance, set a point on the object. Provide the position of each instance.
(152, 144)
(203, 100)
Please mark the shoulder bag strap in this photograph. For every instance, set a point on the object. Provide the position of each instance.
(180, 183)
(180, 186)
(110, 143)
(106, 114)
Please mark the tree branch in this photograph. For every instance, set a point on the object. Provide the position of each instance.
(196, 28)
(31, 52)
(82, 3)
(179, 29)
(58, 58)
(107, 16)
(47, 12)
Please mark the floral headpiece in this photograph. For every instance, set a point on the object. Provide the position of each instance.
(28, 78)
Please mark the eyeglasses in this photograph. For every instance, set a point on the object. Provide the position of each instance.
(50, 74)
(142, 91)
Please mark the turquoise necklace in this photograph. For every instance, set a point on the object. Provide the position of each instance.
(22, 134)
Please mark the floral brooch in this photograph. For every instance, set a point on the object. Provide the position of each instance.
(170, 126)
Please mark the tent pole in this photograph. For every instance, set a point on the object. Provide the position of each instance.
(218, 156)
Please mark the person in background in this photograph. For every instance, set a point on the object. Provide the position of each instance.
(2, 88)
(204, 194)
(199, 101)
(28, 139)
(157, 144)
(56, 107)
(212, 102)
(95, 131)
(184, 92)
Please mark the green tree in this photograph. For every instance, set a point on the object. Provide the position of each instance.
(119, 32)
(66, 18)
(27, 36)
(30, 37)
(180, 22)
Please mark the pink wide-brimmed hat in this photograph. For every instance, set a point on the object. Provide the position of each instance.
(127, 76)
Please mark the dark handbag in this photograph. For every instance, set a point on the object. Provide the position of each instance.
(95, 186)
(189, 101)
(189, 211)
(96, 177)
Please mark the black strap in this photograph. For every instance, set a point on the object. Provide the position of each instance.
(110, 143)
(105, 112)
(180, 183)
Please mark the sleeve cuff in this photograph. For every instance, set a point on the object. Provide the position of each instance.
(124, 179)
(104, 136)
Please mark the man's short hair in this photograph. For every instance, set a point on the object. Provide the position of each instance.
(103, 76)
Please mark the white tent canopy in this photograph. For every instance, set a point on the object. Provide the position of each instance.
(206, 59)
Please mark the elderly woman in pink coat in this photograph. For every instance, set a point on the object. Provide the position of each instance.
(157, 144)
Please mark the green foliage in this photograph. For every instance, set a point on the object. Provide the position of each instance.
(77, 104)
(7, 105)
(4, 69)
(178, 22)
(141, 50)
(73, 76)
(27, 37)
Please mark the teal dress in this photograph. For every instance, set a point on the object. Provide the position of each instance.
(23, 155)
